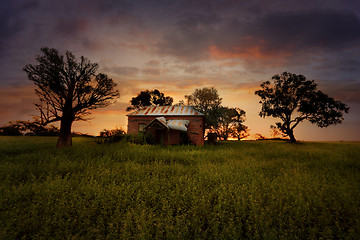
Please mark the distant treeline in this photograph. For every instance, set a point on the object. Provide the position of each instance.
(28, 128)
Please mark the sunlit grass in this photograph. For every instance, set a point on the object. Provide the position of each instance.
(246, 190)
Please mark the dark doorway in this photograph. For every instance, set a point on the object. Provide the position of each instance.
(159, 136)
(184, 138)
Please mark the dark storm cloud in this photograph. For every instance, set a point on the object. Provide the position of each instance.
(303, 30)
(30, 5)
(151, 71)
(347, 63)
(70, 27)
(10, 23)
(191, 37)
(193, 70)
(123, 71)
(275, 33)
(346, 90)
(16, 103)
(92, 45)
(117, 13)
(113, 11)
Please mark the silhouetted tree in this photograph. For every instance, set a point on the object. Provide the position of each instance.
(112, 132)
(180, 103)
(259, 136)
(276, 133)
(208, 102)
(29, 128)
(11, 129)
(293, 99)
(149, 98)
(37, 129)
(240, 132)
(229, 119)
(68, 89)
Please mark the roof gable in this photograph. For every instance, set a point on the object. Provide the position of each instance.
(166, 111)
(158, 122)
(162, 122)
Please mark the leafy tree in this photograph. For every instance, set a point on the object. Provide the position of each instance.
(113, 135)
(293, 98)
(276, 133)
(208, 102)
(180, 103)
(240, 132)
(112, 132)
(149, 98)
(12, 129)
(68, 89)
(259, 136)
(37, 129)
(229, 119)
(28, 128)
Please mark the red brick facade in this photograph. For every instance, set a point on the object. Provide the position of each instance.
(195, 128)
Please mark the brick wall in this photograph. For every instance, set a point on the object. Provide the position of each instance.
(133, 123)
(195, 128)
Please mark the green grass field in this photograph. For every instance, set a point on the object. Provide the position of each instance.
(236, 190)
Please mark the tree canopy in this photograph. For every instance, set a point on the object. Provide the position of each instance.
(208, 102)
(230, 122)
(33, 128)
(239, 132)
(224, 121)
(111, 132)
(149, 98)
(293, 98)
(68, 89)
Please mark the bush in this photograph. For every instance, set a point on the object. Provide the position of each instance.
(149, 139)
(139, 138)
(10, 131)
(112, 132)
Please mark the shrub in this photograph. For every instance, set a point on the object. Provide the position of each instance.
(139, 138)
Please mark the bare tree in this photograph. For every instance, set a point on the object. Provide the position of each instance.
(68, 89)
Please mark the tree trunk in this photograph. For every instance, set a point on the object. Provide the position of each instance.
(65, 130)
(291, 135)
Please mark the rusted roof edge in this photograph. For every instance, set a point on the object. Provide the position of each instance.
(165, 111)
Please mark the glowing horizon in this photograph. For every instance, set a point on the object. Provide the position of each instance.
(179, 46)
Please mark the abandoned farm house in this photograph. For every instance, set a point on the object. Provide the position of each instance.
(168, 124)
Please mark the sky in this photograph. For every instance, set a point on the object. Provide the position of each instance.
(177, 46)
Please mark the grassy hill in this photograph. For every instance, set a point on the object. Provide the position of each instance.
(237, 190)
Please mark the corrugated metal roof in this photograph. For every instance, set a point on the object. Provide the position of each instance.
(166, 111)
(180, 125)
(160, 120)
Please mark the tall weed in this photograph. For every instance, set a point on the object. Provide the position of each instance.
(237, 190)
